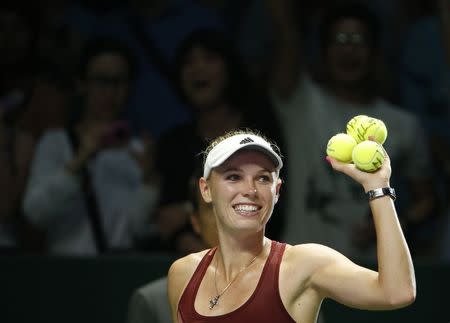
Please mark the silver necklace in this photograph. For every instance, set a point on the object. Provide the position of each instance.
(215, 300)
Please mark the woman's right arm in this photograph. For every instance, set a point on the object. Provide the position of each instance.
(176, 282)
(178, 278)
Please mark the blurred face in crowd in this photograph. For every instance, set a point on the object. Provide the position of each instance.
(106, 85)
(348, 53)
(15, 38)
(204, 222)
(203, 78)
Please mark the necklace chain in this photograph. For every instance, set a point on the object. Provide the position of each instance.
(215, 300)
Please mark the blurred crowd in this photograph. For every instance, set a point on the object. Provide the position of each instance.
(106, 107)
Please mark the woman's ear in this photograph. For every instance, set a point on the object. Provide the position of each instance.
(204, 189)
(277, 189)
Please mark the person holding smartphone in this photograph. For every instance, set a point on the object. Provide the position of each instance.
(91, 187)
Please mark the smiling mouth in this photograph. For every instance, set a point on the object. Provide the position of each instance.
(246, 210)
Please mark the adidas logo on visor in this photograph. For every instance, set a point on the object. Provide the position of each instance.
(246, 140)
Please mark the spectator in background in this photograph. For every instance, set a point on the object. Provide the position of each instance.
(255, 37)
(149, 303)
(213, 83)
(314, 108)
(152, 30)
(37, 71)
(91, 187)
(425, 85)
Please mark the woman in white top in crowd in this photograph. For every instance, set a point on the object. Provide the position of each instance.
(110, 208)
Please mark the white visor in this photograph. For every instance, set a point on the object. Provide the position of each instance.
(223, 150)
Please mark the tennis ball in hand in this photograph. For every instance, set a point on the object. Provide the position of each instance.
(340, 147)
(353, 125)
(368, 156)
(364, 128)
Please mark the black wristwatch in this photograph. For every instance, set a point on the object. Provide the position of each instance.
(379, 192)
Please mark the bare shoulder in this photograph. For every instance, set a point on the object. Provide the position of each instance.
(181, 271)
(310, 250)
(310, 255)
(185, 266)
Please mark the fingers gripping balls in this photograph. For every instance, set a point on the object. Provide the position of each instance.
(362, 144)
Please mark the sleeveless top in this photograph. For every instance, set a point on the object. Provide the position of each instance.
(264, 305)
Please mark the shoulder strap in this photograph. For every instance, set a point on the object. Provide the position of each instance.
(89, 197)
(186, 303)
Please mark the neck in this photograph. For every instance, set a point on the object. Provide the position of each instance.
(233, 256)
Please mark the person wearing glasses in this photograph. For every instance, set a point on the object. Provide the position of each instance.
(315, 105)
(91, 188)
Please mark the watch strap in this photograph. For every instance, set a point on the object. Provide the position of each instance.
(379, 192)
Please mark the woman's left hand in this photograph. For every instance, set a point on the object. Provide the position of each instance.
(377, 179)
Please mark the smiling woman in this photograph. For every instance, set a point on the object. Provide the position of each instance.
(245, 180)
(215, 85)
(250, 278)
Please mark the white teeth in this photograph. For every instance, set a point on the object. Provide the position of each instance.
(246, 208)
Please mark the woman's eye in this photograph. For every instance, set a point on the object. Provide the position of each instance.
(232, 177)
(264, 178)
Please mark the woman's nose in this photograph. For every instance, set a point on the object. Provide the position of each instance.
(250, 189)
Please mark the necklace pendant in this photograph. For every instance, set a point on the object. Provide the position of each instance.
(213, 301)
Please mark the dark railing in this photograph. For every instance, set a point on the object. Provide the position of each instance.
(83, 290)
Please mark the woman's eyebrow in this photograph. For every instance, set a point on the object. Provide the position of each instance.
(225, 169)
(266, 170)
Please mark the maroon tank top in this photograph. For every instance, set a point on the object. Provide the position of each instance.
(264, 305)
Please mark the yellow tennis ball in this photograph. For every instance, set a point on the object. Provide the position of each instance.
(364, 127)
(374, 128)
(340, 147)
(353, 126)
(368, 156)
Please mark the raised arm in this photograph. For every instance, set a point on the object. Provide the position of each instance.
(286, 62)
(393, 286)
